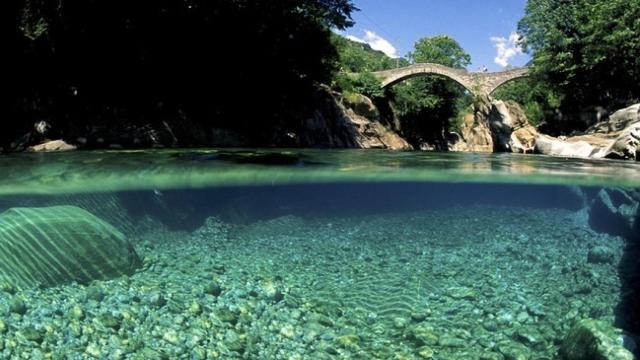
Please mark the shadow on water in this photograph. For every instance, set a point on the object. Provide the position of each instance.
(628, 310)
(249, 204)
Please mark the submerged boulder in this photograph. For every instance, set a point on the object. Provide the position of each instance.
(590, 339)
(55, 245)
(615, 211)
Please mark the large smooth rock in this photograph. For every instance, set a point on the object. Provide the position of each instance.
(54, 145)
(475, 136)
(55, 245)
(549, 145)
(495, 125)
(510, 127)
(617, 122)
(594, 340)
(618, 137)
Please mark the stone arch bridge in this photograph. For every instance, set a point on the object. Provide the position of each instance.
(477, 83)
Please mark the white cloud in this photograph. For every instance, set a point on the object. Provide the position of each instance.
(506, 48)
(376, 42)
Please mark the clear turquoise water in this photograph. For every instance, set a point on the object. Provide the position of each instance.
(320, 254)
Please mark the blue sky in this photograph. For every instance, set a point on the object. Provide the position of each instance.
(484, 28)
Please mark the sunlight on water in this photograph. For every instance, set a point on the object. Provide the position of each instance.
(309, 255)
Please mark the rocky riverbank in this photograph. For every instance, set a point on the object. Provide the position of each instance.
(354, 121)
(335, 121)
(617, 137)
(498, 126)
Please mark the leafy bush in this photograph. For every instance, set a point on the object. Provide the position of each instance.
(364, 83)
(368, 85)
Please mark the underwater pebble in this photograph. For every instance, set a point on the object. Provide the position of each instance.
(513, 351)
(171, 336)
(450, 341)
(522, 317)
(18, 306)
(490, 325)
(600, 255)
(287, 331)
(213, 288)
(426, 352)
(93, 350)
(466, 306)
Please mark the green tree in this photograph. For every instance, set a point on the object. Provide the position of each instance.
(537, 99)
(440, 49)
(358, 57)
(428, 105)
(587, 50)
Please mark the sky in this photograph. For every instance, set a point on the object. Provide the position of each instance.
(486, 29)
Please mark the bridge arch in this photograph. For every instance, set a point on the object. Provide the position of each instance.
(478, 83)
(395, 76)
(498, 85)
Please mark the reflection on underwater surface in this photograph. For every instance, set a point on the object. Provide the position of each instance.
(103, 171)
(316, 270)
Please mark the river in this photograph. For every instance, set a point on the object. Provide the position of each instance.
(314, 254)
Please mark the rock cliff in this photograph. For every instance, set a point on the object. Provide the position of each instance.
(496, 126)
(351, 121)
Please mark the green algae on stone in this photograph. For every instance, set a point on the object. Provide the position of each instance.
(18, 306)
(32, 334)
(422, 335)
(514, 351)
(426, 352)
(591, 339)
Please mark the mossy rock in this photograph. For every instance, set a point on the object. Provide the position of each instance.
(591, 339)
(56, 245)
(361, 105)
(421, 335)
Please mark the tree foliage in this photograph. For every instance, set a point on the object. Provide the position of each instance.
(358, 57)
(102, 61)
(440, 49)
(586, 49)
(538, 100)
(428, 105)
